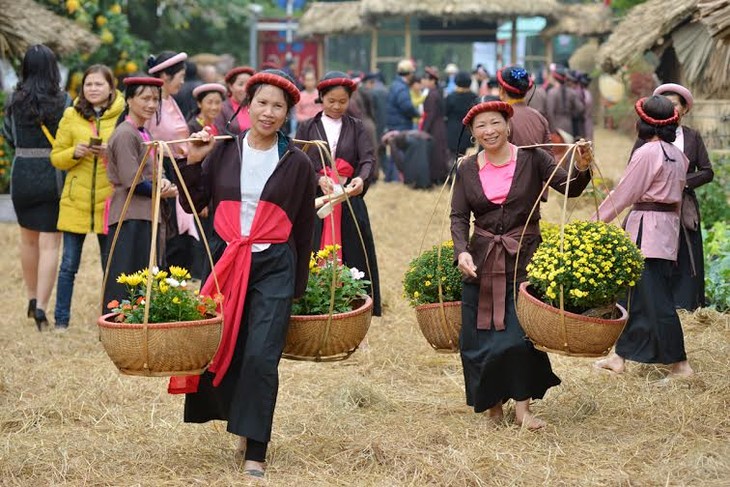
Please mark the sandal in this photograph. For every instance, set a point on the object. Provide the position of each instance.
(254, 472)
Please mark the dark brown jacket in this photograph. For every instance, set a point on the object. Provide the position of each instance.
(291, 187)
(534, 167)
(355, 144)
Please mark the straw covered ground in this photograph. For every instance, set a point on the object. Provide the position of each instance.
(393, 414)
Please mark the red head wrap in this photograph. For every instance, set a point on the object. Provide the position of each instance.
(276, 78)
(639, 107)
(488, 106)
(508, 87)
(143, 81)
(233, 73)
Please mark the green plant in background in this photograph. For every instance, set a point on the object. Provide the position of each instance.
(6, 152)
(119, 49)
(420, 283)
(716, 240)
(713, 197)
(596, 266)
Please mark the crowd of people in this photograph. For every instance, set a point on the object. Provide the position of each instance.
(76, 160)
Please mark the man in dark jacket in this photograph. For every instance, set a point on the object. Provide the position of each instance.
(400, 110)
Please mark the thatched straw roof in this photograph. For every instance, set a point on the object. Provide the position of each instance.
(644, 26)
(715, 14)
(581, 20)
(331, 18)
(24, 23)
(455, 9)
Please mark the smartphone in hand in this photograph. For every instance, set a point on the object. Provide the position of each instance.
(94, 141)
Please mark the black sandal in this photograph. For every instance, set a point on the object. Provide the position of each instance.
(40, 319)
(31, 308)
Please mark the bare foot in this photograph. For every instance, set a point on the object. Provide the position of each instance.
(530, 422)
(614, 363)
(681, 369)
(496, 414)
(254, 469)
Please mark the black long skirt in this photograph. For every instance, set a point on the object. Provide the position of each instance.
(353, 254)
(688, 288)
(500, 365)
(131, 254)
(246, 397)
(653, 334)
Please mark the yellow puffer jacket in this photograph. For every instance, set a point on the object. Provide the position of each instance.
(87, 187)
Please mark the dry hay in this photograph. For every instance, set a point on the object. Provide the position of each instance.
(458, 9)
(331, 18)
(24, 23)
(391, 415)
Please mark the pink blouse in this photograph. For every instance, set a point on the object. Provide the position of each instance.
(306, 108)
(650, 179)
(497, 180)
(172, 126)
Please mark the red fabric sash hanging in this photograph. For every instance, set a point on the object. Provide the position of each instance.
(270, 225)
(345, 171)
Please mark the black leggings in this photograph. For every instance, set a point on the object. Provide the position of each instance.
(255, 450)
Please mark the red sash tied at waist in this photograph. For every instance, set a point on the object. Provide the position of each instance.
(493, 282)
(345, 170)
(270, 225)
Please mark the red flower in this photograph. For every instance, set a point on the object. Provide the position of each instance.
(202, 309)
(126, 307)
(113, 304)
(140, 299)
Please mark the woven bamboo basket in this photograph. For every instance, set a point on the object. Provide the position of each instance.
(441, 330)
(314, 339)
(565, 333)
(160, 349)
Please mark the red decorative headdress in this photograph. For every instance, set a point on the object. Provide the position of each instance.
(272, 77)
(639, 107)
(143, 81)
(488, 106)
(231, 75)
(512, 89)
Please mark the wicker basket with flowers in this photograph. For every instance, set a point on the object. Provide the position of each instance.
(569, 303)
(180, 335)
(432, 286)
(333, 317)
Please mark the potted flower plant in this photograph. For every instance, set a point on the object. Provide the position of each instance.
(569, 302)
(432, 286)
(333, 316)
(180, 334)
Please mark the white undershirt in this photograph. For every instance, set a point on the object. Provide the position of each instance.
(332, 129)
(257, 166)
(679, 140)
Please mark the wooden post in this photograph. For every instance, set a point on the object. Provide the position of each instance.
(408, 53)
(513, 47)
(549, 51)
(373, 49)
(320, 56)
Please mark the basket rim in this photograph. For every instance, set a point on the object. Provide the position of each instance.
(104, 322)
(446, 304)
(591, 319)
(366, 306)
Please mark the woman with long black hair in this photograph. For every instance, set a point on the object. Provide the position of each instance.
(32, 118)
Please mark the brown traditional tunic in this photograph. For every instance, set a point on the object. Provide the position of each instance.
(563, 104)
(528, 127)
(500, 364)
